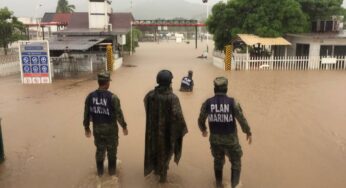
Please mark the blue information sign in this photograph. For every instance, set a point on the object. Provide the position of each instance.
(35, 69)
(35, 63)
(26, 69)
(43, 60)
(34, 60)
(44, 69)
(26, 60)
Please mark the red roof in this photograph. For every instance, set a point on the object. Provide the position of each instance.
(62, 17)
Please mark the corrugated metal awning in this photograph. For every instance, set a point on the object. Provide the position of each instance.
(74, 43)
(250, 40)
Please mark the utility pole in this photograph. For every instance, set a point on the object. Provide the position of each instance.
(37, 21)
(131, 37)
(206, 2)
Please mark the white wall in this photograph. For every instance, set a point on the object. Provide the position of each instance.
(118, 62)
(315, 49)
(315, 44)
(219, 63)
(101, 19)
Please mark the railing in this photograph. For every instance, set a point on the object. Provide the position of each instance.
(289, 63)
(9, 68)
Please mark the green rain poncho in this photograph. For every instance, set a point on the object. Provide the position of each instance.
(165, 129)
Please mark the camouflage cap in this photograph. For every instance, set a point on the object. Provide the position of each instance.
(104, 76)
(221, 82)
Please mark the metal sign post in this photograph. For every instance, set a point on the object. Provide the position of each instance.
(35, 62)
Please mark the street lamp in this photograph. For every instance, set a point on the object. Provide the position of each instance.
(37, 22)
(206, 2)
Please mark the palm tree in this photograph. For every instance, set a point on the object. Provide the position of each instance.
(64, 7)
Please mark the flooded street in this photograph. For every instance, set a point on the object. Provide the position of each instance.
(297, 118)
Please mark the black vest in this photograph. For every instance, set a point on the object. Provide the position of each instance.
(221, 115)
(186, 82)
(101, 107)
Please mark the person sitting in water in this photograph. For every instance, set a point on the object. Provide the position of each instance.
(187, 83)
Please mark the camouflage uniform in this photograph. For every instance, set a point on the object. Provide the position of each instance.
(225, 143)
(105, 132)
(165, 129)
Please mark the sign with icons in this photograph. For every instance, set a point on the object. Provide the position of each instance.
(35, 62)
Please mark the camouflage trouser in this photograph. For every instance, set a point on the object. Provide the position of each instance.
(106, 139)
(233, 152)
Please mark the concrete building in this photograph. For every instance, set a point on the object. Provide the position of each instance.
(317, 44)
(79, 44)
(327, 38)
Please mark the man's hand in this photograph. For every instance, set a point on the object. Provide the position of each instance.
(249, 138)
(205, 133)
(88, 132)
(125, 132)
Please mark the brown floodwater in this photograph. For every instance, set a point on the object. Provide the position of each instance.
(298, 120)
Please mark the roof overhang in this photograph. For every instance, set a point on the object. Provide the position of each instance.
(92, 32)
(250, 40)
(80, 43)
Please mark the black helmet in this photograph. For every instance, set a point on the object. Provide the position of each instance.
(164, 77)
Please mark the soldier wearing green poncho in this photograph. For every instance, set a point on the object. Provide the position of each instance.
(165, 127)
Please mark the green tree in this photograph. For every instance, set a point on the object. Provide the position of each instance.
(321, 9)
(266, 18)
(11, 29)
(64, 7)
(136, 35)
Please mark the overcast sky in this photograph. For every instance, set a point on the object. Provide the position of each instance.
(28, 8)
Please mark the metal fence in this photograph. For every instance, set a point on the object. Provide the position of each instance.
(77, 65)
(289, 63)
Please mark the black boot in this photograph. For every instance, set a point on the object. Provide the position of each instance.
(235, 177)
(112, 165)
(99, 165)
(163, 177)
(218, 178)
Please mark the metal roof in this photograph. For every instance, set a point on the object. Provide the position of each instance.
(250, 40)
(80, 43)
(56, 17)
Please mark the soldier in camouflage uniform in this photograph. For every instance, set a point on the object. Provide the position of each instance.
(165, 127)
(102, 107)
(221, 112)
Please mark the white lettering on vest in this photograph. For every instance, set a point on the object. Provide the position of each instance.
(222, 108)
(101, 101)
(220, 118)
